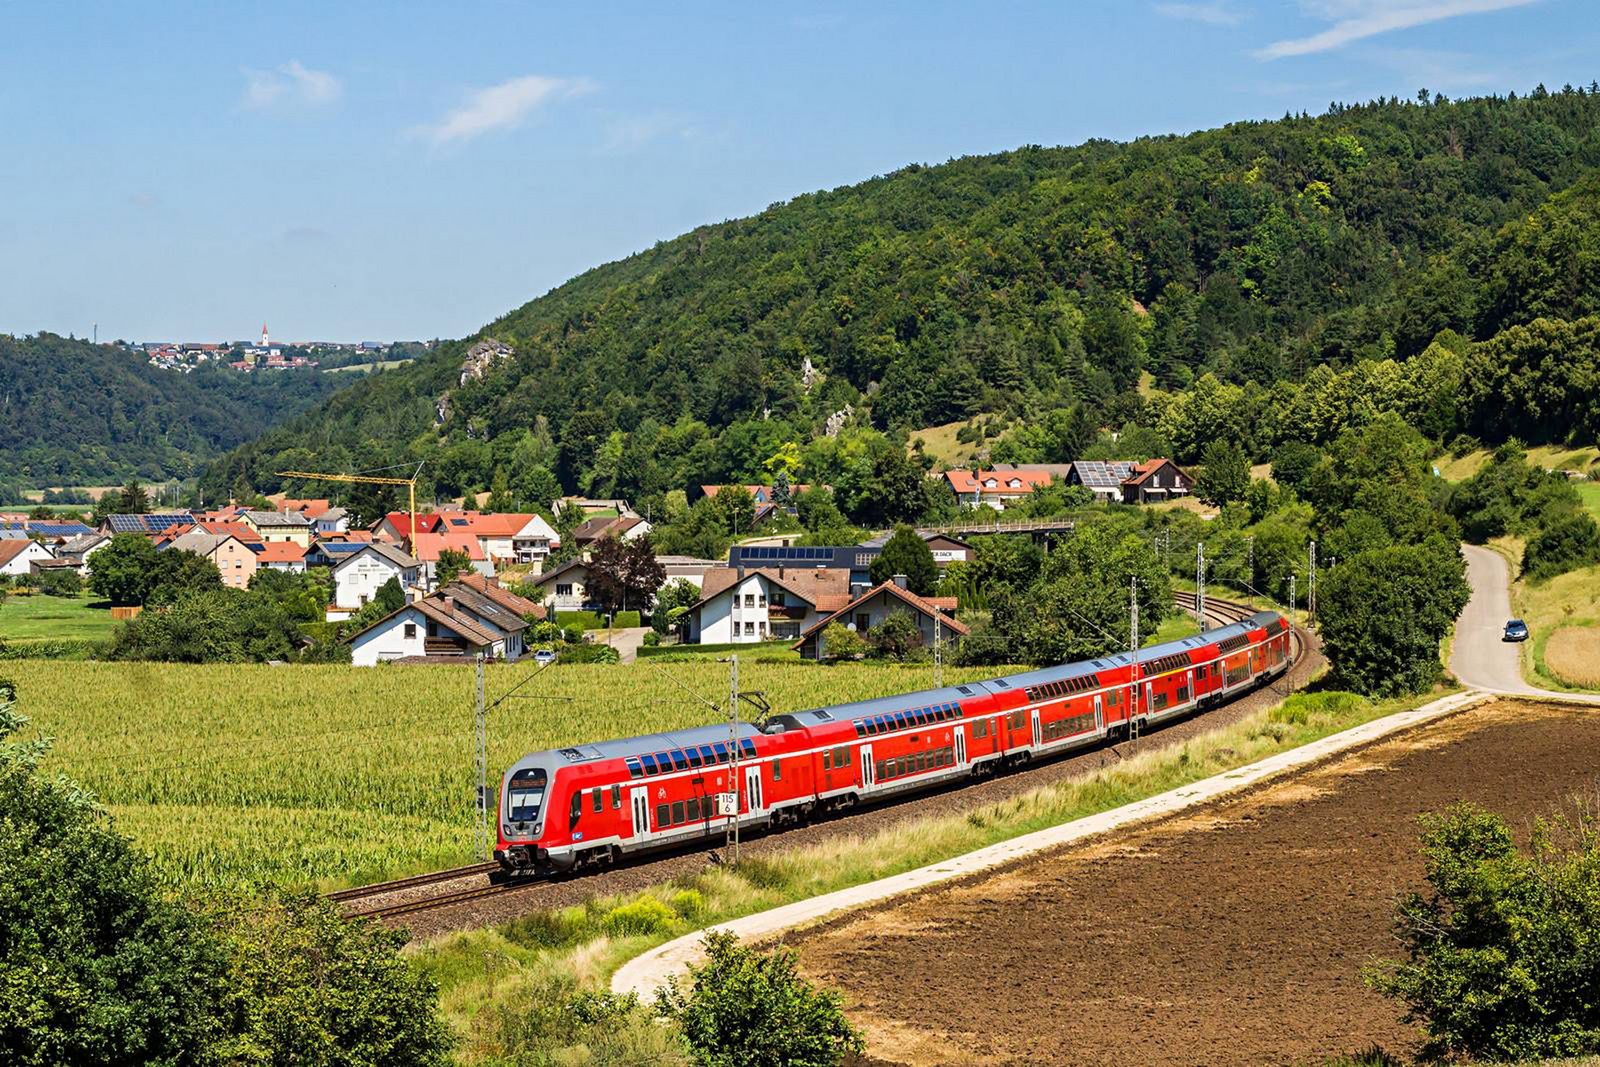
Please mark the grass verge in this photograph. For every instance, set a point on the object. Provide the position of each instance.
(40, 618)
(484, 973)
(1565, 602)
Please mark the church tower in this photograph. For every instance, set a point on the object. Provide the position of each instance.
(263, 335)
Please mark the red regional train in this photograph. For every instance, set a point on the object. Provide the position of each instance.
(595, 803)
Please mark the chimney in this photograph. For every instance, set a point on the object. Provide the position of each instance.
(449, 604)
(901, 581)
(739, 572)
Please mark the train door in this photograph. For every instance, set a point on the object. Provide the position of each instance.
(1189, 686)
(1038, 734)
(1148, 702)
(868, 768)
(754, 801)
(1099, 712)
(641, 813)
(960, 734)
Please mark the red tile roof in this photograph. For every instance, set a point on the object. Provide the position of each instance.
(944, 606)
(962, 481)
(279, 552)
(427, 546)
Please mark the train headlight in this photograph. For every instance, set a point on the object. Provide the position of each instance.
(507, 829)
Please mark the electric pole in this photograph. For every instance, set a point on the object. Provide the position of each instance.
(1292, 597)
(482, 837)
(938, 649)
(1250, 560)
(1311, 584)
(733, 754)
(1200, 582)
(1133, 653)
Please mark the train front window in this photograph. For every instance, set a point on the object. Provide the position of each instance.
(525, 794)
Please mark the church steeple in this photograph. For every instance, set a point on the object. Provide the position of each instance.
(263, 335)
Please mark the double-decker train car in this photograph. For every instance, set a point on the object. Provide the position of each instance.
(595, 803)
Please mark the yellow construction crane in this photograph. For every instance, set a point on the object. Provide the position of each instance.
(368, 479)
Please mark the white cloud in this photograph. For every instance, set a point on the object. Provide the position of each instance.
(1216, 13)
(291, 85)
(501, 107)
(1355, 20)
(145, 200)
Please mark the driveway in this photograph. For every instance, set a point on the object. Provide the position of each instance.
(1480, 659)
(626, 640)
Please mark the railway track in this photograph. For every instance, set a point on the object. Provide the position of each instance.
(367, 903)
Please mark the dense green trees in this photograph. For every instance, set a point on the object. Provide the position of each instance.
(906, 553)
(1294, 279)
(121, 570)
(219, 626)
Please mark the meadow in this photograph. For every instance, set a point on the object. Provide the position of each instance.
(337, 775)
(37, 617)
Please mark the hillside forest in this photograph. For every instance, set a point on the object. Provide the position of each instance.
(74, 413)
(1266, 283)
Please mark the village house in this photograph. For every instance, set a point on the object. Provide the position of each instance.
(428, 547)
(148, 525)
(1155, 480)
(740, 605)
(563, 588)
(281, 556)
(995, 488)
(1102, 477)
(79, 549)
(278, 526)
(513, 537)
(934, 616)
(357, 577)
(464, 619)
(18, 556)
(623, 527)
(235, 559)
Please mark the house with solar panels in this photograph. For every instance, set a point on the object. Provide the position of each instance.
(148, 525)
(1102, 477)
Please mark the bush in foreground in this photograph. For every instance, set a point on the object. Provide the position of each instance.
(746, 1008)
(1504, 950)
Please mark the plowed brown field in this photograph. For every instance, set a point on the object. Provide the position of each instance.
(1234, 934)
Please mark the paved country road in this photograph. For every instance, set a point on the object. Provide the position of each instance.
(1480, 658)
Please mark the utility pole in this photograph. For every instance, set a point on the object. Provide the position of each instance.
(1311, 583)
(938, 649)
(1133, 653)
(1250, 560)
(1292, 597)
(1200, 583)
(481, 835)
(733, 754)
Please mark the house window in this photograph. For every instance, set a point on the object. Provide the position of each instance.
(763, 602)
(777, 599)
(411, 631)
(749, 600)
(863, 622)
(563, 589)
(749, 629)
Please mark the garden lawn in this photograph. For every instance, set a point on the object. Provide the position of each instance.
(37, 617)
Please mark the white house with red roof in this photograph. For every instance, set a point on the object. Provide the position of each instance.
(996, 488)
(357, 577)
(18, 556)
(935, 617)
(281, 556)
(741, 605)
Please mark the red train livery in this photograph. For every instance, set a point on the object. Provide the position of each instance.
(595, 803)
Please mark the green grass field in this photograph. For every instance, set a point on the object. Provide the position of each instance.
(336, 775)
(37, 617)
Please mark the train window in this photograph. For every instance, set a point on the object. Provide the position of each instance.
(721, 750)
(747, 748)
(1016, 719)
(694, 809)
(577, 806)
(662, 811)
(616, 796)
(777, 772)
(526, 794)
(827, 759)
(680, 762)
(980, 728)
(861, 729)
(663, 761)
(708, 755)
(693, 755)
(599, 800)
(634, 770)
(677, 812)
(844, 756)
(649, 763)
(882, 722)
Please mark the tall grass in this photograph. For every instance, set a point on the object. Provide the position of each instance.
(336, 775)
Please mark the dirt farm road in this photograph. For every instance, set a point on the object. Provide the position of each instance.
(1234, 933)
(1480, 659)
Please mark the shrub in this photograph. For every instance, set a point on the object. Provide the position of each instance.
(647, 915)
(749, 1007)
(550, 1021)
(589, 652)
(841, 642)
(1568, 542)
(624, 619)
(60, 581)
(1504, 950)
(48, 650)
(652, 639)
(583, 620)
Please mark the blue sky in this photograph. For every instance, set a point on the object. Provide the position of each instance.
(374, 171)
